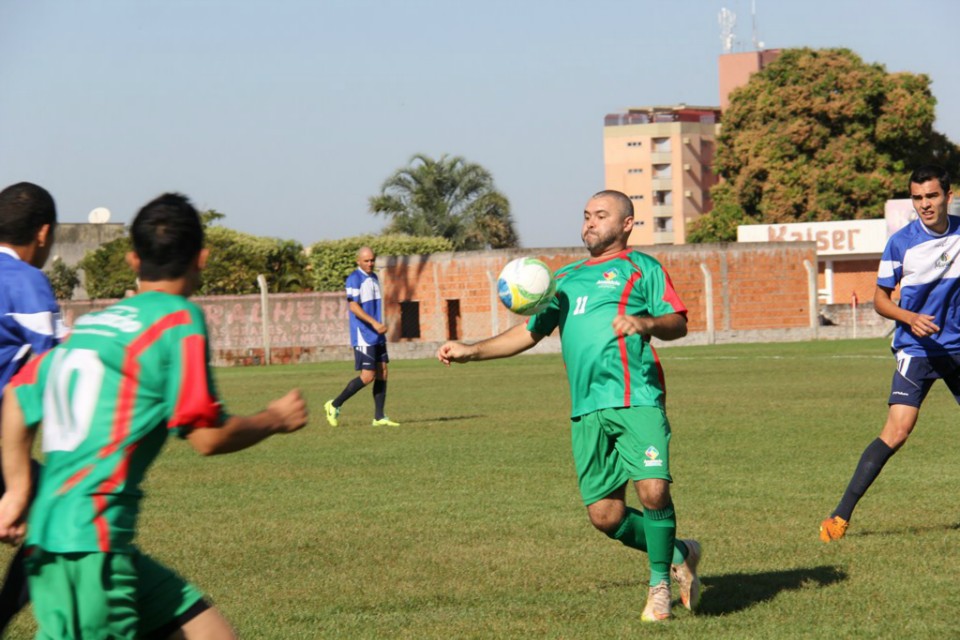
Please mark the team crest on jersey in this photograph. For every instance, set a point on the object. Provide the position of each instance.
(653, 457)
(944, 260)
(609, 279)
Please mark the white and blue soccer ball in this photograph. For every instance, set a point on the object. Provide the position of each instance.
(526, 286)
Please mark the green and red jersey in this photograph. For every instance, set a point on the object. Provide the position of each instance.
(606, 370)
(107, 398)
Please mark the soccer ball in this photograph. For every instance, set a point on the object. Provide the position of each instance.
(526, 286)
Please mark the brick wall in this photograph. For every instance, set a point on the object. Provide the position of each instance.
(760, 292)
(755, 286)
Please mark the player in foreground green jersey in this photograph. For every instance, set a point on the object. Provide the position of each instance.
(107, 398)
(607, 307)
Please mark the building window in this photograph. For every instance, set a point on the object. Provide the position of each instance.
(634, 170)
(661, 145)
(410, 319)
(663, 225)
(633, 144)
(453, 319)
(661, 198)
(661, 172)
(636, 197)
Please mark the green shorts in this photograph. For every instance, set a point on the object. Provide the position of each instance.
(104, 595)
(612, 446)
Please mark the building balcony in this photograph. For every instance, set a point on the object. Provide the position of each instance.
(663, 211)
(661, 157)
(663, 237)
(662, 184)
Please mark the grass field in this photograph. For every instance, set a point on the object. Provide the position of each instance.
(466, 521)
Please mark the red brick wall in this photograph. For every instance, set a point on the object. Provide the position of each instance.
(755, 286)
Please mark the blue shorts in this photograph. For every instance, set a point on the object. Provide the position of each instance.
(370, 356)
(915, 375)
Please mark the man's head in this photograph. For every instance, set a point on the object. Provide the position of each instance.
(607, 222)
(168, 240)
(28, 217)
(365, 259)
(931, 195)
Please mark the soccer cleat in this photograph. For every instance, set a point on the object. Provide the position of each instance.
(658, 604)
(333, 413)
(833, 528)
(385, 422)
(685, 574)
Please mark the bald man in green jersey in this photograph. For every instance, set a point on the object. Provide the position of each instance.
(607, 308)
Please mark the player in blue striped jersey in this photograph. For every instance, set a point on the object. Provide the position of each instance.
(30, 321)
(923, 259)
(368, 337)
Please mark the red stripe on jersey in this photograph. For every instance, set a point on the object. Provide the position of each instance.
(196, 405)
(130, 370)
(28, 372)
(660, 376)
(106, 488)
(74, 479)
(670, 296)
(622, 339)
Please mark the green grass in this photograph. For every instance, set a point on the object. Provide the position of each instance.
(466, 521)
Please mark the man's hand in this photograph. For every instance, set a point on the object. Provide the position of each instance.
(923, 325)
(629, 325)
(455, 352)
(290, 411)
(13, 514)
(379, 327)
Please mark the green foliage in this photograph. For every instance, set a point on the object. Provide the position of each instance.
(721, 224)
(450, 198)
(63, 279)
(331, 261)
(235, 261)
(237, 258)
(106, 272)
(820, 135)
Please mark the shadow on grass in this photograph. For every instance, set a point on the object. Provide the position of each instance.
(444, 419)
(738, 591)
(905, 530)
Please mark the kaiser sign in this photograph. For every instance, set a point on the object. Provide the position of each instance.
(845, 237)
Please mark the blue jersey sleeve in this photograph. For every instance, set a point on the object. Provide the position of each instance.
(30, 323)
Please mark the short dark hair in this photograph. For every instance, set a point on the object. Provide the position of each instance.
(24, 208)
(167, 236)
(624, 204)
(931, 172)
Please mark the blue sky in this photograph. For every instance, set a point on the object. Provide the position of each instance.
(286, 115)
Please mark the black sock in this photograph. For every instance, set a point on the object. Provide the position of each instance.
(871, 462)
(379, 397)
(352, 387)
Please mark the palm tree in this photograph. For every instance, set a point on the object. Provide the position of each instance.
(449, 197)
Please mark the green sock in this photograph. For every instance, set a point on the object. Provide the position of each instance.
(660, 527)
(631, 535)
(631, 532)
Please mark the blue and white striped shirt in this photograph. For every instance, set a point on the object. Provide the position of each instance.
(927, 268)
(30, 321)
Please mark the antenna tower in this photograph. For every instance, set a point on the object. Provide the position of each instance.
(728, 20)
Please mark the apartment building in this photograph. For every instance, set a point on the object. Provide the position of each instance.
(661, 157)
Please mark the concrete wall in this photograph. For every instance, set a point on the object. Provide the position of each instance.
(72, 241)
(761, 293)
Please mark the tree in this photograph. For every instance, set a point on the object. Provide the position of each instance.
(235, 261)
(820, 135)
(63, 279)
(449, 198)
(331, 261)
